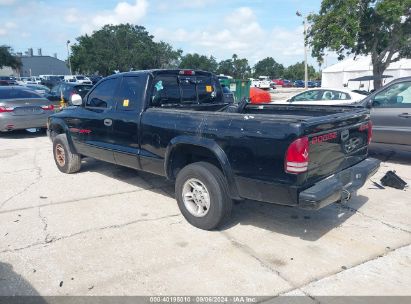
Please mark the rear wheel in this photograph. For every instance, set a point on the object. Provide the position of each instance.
(202, 195)
(65, 159)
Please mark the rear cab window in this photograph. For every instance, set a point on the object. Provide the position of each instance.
(185, 90)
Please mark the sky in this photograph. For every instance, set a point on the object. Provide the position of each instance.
(252, 29)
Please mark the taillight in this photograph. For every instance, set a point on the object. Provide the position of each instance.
(296, 157)
(48, 108)
(187, 72)
(369, 132)
(6, 110)
(367, 127)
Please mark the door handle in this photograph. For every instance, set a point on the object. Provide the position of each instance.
(404, 115)
(108, 122)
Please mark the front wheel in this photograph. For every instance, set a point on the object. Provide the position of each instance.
(202, 195)
(66, 160)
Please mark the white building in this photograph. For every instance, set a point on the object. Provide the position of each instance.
(339, 74)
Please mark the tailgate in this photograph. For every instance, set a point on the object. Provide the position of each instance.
(337, 145)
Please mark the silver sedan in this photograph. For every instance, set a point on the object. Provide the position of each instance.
(21, 108)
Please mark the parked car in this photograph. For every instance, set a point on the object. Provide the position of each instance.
(324, 97)
(311, 84)
(287, 83)
(299, 84)
(176, 123)
(4, 83)
(264, 83)
(391, 114)
(279, 82)
(21, 108)
(39, 89)
(67, 90)
(28, 80)
(50, 80)
(228, 95)
(9, 79)
(95, 78)
(78, 79)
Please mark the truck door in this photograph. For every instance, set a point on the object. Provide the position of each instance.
(96, 121)
(126, 120)
(391, 114)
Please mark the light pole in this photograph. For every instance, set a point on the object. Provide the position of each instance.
(305, 49)
(68, 56)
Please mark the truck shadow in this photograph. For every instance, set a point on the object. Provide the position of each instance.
(13, 284)
(22, 134)
(391, 155)
(304, 224)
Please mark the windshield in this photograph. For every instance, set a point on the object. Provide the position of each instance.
(80, 77)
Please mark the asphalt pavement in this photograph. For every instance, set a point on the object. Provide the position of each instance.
(109, 230)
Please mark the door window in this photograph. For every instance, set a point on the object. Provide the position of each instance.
(102, 96)
(396, 96)
(338, 95)
(328, 95)
(306, 96)
(130, 93)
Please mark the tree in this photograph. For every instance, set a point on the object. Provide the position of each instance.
(268, 67)
(380, 28)
(235, 67)
(121, 47)
(7, 59)
(297, 71)
(200, 62)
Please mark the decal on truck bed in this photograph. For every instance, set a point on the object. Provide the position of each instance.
(326, 137)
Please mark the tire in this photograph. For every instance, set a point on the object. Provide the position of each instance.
(66, 161)
(205, 176)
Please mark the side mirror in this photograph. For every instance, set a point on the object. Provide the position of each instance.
(400, 99)
(369, 104)
(76, 100)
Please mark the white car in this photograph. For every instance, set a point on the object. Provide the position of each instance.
(323, 96)
(80, 79)
(261, 83)
(26, 80)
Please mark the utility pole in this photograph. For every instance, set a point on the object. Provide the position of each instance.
(68, 56)
(305, 49)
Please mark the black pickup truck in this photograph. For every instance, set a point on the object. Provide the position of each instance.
(176, 123)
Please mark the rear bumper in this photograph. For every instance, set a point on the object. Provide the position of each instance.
(16, 122)
(339, 186)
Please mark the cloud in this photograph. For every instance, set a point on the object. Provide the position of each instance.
(185, 4)
(7, 2)
(6, 28)
(240, 32)
(124, 12)
(72, 15)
